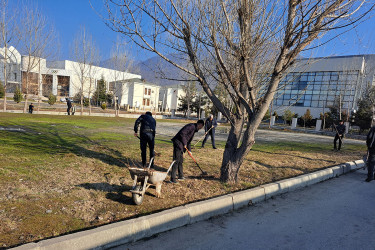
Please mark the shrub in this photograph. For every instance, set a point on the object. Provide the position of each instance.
(17, 95)
(2, 90)
(51, 99)
(103, 106)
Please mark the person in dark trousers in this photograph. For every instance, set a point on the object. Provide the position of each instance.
(147, 135)
(31, 108)
(209, 128)
(370, 142)
(69, 103)
(181, 142)
(340, 131)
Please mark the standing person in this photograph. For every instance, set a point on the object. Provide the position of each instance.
(69, 103)
(147, 135)
(209, 128)
(181, 142)
(340, 131)
(31, 108)
(73, 109)
(370, 142)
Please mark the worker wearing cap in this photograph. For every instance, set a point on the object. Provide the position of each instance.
(147, 135)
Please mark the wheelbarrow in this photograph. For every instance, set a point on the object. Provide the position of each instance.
(144, 178)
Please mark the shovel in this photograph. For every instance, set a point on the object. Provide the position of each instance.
(191, 155)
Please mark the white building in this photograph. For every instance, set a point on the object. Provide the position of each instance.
(136, 93)
(169, 97)
(11, 58)
(78, 74)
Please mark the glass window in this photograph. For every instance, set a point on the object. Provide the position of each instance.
(315, 97)
(334, 76)
(326, 77)
(343, 76)
(286, 96)
(304, 77)
(318, 78)
(285, 102)
(310, 86)
(311, 77)
(324, 87)
(314, 104)
(307, 103)
(308, 97)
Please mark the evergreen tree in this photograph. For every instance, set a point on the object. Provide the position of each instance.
(100, 94)
(2, 90)
(17, 95)
(288, 116)
(51, 99)
(186, 101)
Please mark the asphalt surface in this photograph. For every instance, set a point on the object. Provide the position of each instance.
(335, 214)
(170, 129)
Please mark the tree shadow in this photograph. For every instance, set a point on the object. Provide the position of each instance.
(284, 154)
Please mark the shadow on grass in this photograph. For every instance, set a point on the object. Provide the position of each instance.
(58, 140)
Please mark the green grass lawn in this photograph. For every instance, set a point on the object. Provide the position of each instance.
(60, 174)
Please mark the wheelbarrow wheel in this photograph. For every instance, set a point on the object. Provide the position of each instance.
(138, 198)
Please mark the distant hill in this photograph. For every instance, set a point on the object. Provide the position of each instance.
(155, 70)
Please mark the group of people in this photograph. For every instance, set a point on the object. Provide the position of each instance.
(181, 141)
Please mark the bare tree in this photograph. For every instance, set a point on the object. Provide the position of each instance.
(7, 36)
(37, 38)
(120, 63)
(246, 45)
(86, 55)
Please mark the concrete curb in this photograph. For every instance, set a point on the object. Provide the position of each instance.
(131, 230)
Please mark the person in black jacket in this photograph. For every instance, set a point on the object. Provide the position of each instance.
(209, 128)
(31, 108)
(340, 131)
(181, 142)
(69, 103)
(370, 142)
(147, 135)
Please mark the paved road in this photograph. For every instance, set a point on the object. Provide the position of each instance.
(170, 129)
(336, 214)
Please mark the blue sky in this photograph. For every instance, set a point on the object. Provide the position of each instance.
(68, 15)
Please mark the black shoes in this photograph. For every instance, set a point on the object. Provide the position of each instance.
(368, 180)
(173, 181)
(214, 147)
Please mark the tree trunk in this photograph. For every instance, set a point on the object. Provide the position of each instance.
(27, 92)
(233, 156)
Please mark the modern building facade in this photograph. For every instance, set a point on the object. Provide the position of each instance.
(317, 83)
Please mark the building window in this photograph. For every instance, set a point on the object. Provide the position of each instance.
(15, 76)
(146, 102)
